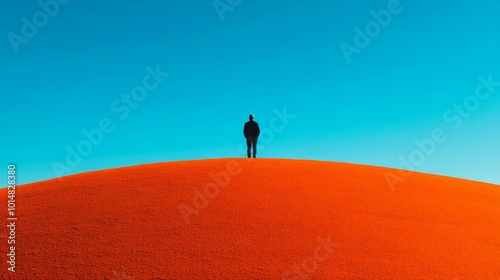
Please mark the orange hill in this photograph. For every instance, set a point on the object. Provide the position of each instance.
(254, 219)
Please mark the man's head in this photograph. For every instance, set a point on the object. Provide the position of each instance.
(251, 117)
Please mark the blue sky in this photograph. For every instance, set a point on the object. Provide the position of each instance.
(234, 58)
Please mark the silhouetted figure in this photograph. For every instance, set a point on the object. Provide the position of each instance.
(251, 132)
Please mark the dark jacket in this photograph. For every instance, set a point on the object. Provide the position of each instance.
(251, 129)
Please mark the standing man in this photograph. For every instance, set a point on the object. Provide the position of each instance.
(251, 132)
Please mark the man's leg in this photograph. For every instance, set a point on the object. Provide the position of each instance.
(254, 147)
(249, 145)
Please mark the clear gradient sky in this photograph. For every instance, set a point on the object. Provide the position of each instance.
(247, 57)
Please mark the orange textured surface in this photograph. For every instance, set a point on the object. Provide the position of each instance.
(269, 219)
